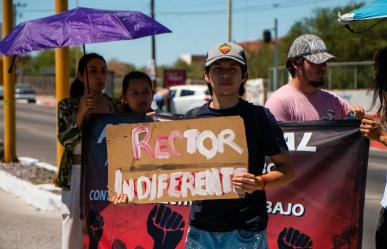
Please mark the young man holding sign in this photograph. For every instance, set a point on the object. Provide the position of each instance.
(236, 223)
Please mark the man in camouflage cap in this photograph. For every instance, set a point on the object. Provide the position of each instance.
(302, 99)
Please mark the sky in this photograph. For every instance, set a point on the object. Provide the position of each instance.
(196, 25)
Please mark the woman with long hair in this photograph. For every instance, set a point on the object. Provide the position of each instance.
(376, 129)
(86, 97)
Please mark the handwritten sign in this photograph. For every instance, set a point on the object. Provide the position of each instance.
(177, 160)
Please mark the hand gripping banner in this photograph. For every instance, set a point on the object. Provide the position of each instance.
(321, 208)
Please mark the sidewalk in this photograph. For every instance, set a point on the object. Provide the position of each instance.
(46, 100)
(45, 197)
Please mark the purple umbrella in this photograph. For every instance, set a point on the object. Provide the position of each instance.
(78, 27)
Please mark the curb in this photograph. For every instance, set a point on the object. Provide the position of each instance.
(46, 100)
(378, 152)
(39, 196)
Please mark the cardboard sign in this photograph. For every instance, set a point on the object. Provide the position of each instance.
(177, 160)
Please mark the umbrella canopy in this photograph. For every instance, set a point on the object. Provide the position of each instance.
(374, 10)
(78, 27)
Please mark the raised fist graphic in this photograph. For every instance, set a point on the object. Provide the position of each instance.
(291, 238)
(118, 244)
(165, 226)
(94, 228)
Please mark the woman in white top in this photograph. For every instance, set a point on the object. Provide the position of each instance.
(376, 129)
(72, 112)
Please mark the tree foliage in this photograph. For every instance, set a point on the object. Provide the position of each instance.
(36, 65)
(346, 46)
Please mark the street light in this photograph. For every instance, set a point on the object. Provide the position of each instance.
(267, 38)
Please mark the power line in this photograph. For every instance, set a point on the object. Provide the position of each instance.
(252, 8)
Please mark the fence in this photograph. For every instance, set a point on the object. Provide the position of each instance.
(340, 75)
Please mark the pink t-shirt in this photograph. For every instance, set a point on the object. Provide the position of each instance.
(289, 103)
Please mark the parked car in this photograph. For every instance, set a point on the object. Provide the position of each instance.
(24, 92)
(1, 92)
(187, 97)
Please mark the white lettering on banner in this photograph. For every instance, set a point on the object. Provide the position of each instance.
(102, 136)
(303, 145)
(98, 195)
(291, 209)
(208, 182)
(268, 167)
(178, 203)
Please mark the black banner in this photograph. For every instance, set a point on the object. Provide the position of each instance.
(321, 208)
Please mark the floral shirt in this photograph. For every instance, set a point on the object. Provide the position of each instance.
(69, 135)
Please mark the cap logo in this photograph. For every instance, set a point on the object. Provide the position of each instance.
(224, 49)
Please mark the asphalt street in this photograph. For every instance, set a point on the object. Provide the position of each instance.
(35, 131)
(22, 226)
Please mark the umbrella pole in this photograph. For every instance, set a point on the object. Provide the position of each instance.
(366, 29)
(12, 64)
(87, 73)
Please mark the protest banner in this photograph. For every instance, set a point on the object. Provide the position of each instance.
(323, 206)
(325, 201)
(189, 160)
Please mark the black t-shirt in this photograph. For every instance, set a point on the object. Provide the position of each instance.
(264, 138)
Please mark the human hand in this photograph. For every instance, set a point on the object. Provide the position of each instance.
(291, 238)
(86, 106)
(246, 182)
(119, 198)
(356, 111)
(371, 129)
(165, 226)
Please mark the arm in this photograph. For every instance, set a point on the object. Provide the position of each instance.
(348, 111)
(357, 111)
(278, 109)
(71, 117)
(283, 174)
(68, 132)
(276, 148)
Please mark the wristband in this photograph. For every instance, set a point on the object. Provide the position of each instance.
(263, 182)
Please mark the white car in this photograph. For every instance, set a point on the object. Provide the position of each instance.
(187, 97)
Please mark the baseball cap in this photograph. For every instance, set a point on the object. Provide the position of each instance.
(227, 50)
(311, 47)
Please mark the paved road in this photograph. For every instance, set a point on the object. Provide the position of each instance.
(36, 138)
(377, 166)
(21, 226)
(35, 131)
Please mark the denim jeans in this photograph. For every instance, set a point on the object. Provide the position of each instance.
(236, 239)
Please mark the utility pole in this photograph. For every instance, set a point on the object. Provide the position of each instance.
(229, 20)
(275, 60)
(153, 65)
(62, 73)
(9, 90)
